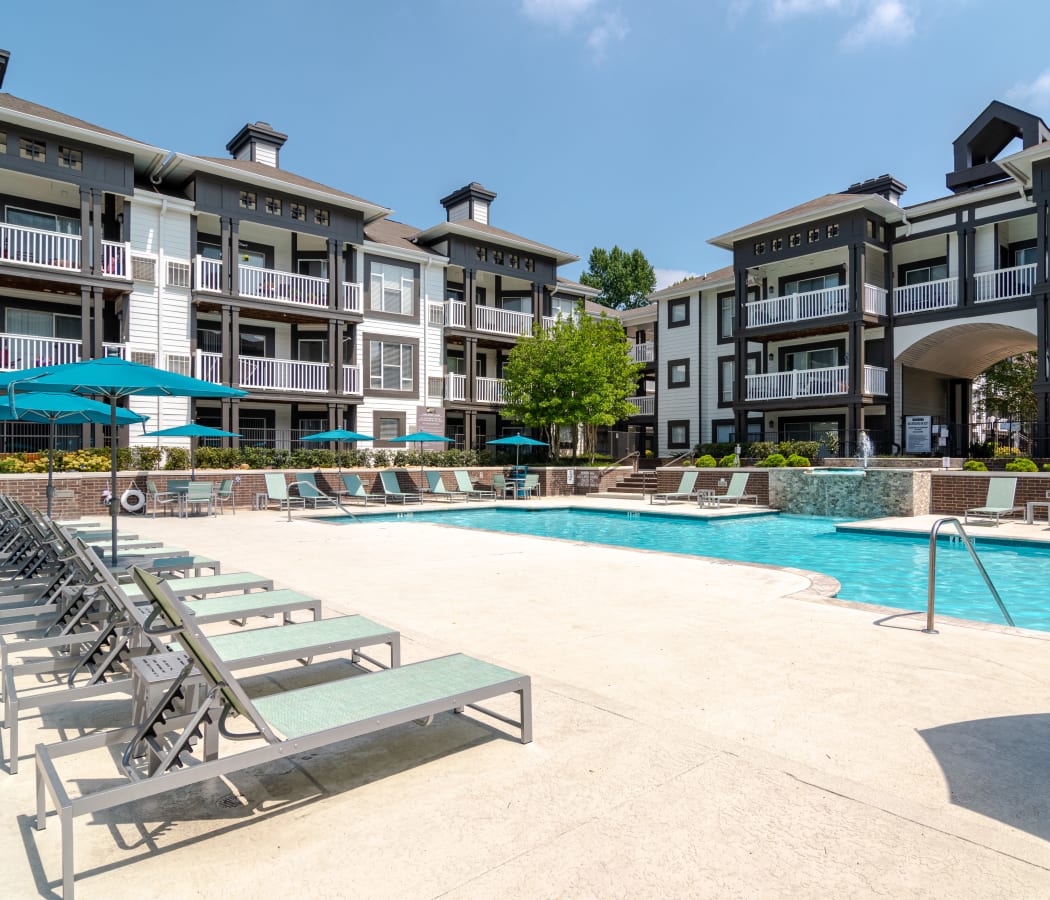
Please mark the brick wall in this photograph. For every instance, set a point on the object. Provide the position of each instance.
(956, 492)
(668, 479)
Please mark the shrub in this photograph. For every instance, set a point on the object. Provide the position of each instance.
(717, 449)
(727, 461)
(145, 458)
(90, 459)
(1021, 465)
(176, 458)
(774, 460)
(974, 465)
(1006, 452)
(707, 461)
(797, 461)
(380, 458)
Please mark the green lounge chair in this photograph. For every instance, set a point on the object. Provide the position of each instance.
(392, 489)
(355, 490)
(157, 750)
(438, 491)
(473, 491)
(735, 492)
(306, 484)
(685, 491)
(277, 492)
(999, 501)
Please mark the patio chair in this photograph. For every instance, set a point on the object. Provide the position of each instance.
(686, 489)
(999, 502)
(301, 720)
(473, 491)
(306, 484)
(530, 487)
(392, 489)
(355, 490)
(501, 488)
(225, 495)
(277, 492)
(438, 491)
(198, 493)
(735, 492)
(163, 499)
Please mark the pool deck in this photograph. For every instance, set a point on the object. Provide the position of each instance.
(702, 729)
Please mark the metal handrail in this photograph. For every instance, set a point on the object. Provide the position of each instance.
(634, 454)
(678, 459)
(932, 578)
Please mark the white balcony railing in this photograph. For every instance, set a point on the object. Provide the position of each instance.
(284, 287)
(798, 307)
(642, 353)
(208, 366)
(502, 321)
(436, 314)
(1004, 284)
(874, 380)
(120, 351)
(827, 382)
(21, 351)
(36, 247)
(930, 295)
(646, 405)
(456, 314)
(875, 300)
(115, 260)
(455, 387)
(351, 380)
(351, 296)
(208, 275)
(266, 374)
(489, 390)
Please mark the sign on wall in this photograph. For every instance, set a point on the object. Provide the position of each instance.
(917, 431)
(432, 420)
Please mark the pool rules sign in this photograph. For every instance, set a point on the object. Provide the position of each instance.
(917, 430)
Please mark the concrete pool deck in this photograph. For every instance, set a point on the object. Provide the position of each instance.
(702, 729)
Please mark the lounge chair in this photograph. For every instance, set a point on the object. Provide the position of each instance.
(501, 487)
(306, 484)
(157, 750)
(277, 492)
(355, 490)
(686, 489)
(392, 490)
(438, 491)
(735, 492)
(999, 501)
(473, 491)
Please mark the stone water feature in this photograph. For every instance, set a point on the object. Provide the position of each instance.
(862, 493)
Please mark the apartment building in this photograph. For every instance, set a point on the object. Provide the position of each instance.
(853, 312)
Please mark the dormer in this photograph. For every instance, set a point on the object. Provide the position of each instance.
(468, 203)
(5, 56)
(258, 143)
(988, 135)
(885, 186)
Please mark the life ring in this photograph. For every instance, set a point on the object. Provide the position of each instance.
(133, 500)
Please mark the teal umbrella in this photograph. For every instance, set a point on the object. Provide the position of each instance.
(517, 441)
(192, 431)
(421, 438)
(111, 378)
(69, 409)
(339, 435)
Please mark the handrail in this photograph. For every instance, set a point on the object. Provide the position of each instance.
(677, 459)
(633, 454)
(932, 578)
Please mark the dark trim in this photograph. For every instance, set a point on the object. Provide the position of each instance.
(678, 445)
(812, 273)
(722, 402)
(719, 297)
(671, 363)
(402, 417)
(367, 339)
(366, 289)
(783, 352)
(681, 302)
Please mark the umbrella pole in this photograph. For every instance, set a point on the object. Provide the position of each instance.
(50, 466)
(113, 476)
(193, 459)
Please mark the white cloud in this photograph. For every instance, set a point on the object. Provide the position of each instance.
(888, 21)
(561, 13)
(601, 27)
(1035, 94)
(667, 277)
(782, 9)
(611, 30)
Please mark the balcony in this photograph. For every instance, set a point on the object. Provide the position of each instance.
(646, 405)
(257, 373)
(488, 390)
(351, 380)
(56, 251)
(491, 319)
(1004, 284)
(209, 367)
(21, 351)
(352, 296)
(926, 297)
(275, 286)
(643, 353)
(827, 382)
(455, 387)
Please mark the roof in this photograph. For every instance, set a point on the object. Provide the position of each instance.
(395, 234)
(576, 287)
(697, 282)
(471, 227)
(25, 107)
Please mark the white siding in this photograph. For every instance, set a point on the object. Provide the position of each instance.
(266, 155)
(481, 212)
(985, 251)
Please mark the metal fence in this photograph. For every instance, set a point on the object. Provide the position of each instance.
(27, 437)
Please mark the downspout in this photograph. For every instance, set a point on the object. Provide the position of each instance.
(161, 273)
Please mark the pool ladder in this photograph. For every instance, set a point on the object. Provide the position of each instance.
(932, 578)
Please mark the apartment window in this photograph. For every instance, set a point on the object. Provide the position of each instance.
(313, 349)
(833, 230)
(726, 316)
(497, 257)
(68, 158)
(1025, 256)
(178, 274)
(795, 240)
(392, 288)
(209, 340)
(925, 272)
(298, 211)
(30, 149)
(677, 373)
(563, 307)
(530, 264)
(482, 254)
(248, 200)
(815, 283)
(322, 217)
(513, 261)
(813, 235)
(726, 372)
(390, 366)
(759, 248)
(777, 244)
(388, 425)
(678, 313)
(273, 206)
(816, 358)
(42, 221)
(3, 142)
(678, 434)
(42, 324)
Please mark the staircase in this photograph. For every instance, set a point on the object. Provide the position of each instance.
(637, 484)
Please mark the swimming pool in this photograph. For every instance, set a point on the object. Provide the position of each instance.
(889, 570)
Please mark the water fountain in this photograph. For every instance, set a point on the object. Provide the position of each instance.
(864, 449)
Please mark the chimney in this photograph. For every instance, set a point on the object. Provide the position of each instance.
(5, 55)
(258, 143)
(885, 186)
(468, 203)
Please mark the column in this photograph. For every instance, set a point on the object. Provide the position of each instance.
(235, 258)
(85, 322)
(740, 358)
(225, 279)
(471, 362)
(470, 425)
(96, 303)
(468, 295)
(335, 372)
(85, 231)
(231, 412)
(235, 346)
(97, 207)
(335, 298)
(968, 283)
(537, 304)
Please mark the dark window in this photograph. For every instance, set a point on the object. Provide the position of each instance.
(833, 231)
(777, 244)
(513, 261)
(678, 313)
(759, 248)
(795, 240)
(322, 217)
(678, 434)
(273, 206)
(68, 158)
(813, 235)
(298, 211)
(726, 317)
(248, 200)
(677, 373)
(30, 149)
(497, 257)
(482, 254)
(530, 264)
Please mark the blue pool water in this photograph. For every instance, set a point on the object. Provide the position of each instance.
(889, 570)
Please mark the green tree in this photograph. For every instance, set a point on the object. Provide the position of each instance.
(578, 374)
(1006, 391)
(625, 279)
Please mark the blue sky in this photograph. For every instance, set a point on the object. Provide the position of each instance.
(654, 124)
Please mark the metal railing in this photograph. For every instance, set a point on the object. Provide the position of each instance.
(351, 380)
(455, 386)
(916, 298)
(489, 390)
(37, 247)
(283, 287)
(502, 321)
(832, 301)
(351, 296)
(1004, 284)
(271, 374)
(932, 577)
(646, 405)
(642, 353)
(22, 351)
(634, 454)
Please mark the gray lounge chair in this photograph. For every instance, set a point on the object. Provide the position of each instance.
(355, 490)
(735, 492)
(998, 503)
(438, 491)
(686, 489)
(297, 721)
(473, 491)
(306, 484)
(392, 489)
(277, 492)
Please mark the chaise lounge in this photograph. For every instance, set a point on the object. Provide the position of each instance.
(999, 502)
(685, 491)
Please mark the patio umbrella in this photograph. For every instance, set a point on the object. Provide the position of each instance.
(192, 431)
(69, 409)
(517, 441)
(112, 378)
(421, 438)
(340, 435)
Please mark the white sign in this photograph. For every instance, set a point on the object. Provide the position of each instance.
(917, 434)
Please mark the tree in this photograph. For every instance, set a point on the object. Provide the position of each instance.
(1006, 391)
(625, 279)
(577, 374)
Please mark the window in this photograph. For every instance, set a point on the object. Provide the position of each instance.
(68, 158)
(759, 248)
(28, 218)
(677, 373)
(726, 316)
(497, 257)
(3, 142)
(814, 283)
(678, 313)
(389, 427)
(253, 345)
(925, 273)
(317, 268)
(298, 211)
(795, 240)
(390, 366)
(678, 433)
(252, 258)
(43, 324)
(777, 244)
(30, 149)
(313, 349)
(178, 274)
(833, 231)
(209, 340)
(482, 254)
(273, 206)
(813, 235)
(1025, 256)
(563, 307)
(726, 371)
(392, 288)
(322, 217)
(248, 200)
(723, 432)
(513, 261)
(822, 358)
(522, 304)
(530, 264)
